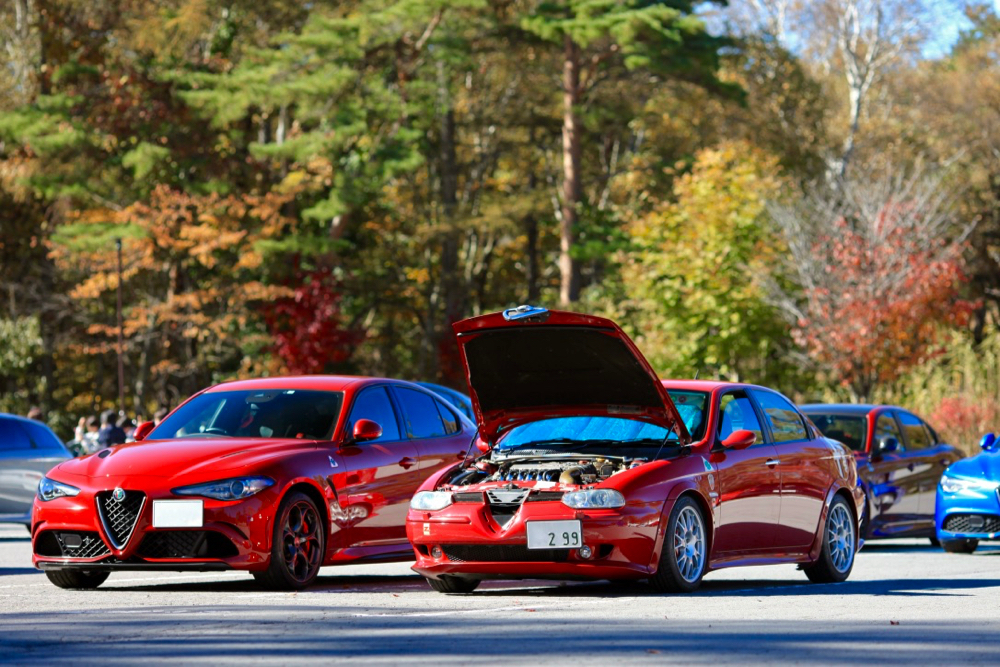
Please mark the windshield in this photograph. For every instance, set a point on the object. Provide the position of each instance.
(847, 429)
(268, 413)
(576, 432)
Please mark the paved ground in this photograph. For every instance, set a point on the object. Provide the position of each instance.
(905, 603)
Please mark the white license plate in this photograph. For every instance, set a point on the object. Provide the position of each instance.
(178, 513)
(554, 535)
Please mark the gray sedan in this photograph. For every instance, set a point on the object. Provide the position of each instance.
(28, 450)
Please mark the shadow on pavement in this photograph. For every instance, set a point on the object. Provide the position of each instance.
(5, 571)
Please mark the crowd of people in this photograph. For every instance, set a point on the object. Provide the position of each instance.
(96, 432)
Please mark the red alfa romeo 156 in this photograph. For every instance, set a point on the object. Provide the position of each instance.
(593, 468)
(277, 476)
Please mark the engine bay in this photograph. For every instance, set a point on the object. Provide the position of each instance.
(562, 471)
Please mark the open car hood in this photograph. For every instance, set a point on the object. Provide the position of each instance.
(526, 364)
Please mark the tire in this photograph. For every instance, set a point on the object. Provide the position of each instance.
(836, 559)
(959, 546)
(297, 545)
(80, 580)
(935, 542)
(685, 550)
(453, 584)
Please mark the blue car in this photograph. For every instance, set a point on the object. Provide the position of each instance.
(968, 500)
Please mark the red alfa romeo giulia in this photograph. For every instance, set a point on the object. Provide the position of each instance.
(276, 476)
(593, 468)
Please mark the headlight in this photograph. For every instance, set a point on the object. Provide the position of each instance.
(237, 488)
(951, 484)
(594, 498)
(50, 489)
(430, 500)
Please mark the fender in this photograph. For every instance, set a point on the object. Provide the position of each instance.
(695, 485)
(857, 495)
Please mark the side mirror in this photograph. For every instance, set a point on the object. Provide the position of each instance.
(366, 429)
(740, 439)
(142, 430)
(888, 445)
(989, 442)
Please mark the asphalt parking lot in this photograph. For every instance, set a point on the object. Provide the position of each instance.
(906, 603)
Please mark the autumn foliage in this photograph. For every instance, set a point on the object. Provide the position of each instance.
(306, 326)
(882, 294)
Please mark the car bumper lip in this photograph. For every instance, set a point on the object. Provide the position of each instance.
(947, 535)
(623, 542)
(173, 566)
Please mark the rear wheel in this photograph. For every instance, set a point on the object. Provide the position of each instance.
(685, 550)
(453, 584)
(959, 546)
(80, 580)
(297, 546)
(836, 559)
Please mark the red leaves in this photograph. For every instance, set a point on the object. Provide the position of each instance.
(308, 333)
(884, 295)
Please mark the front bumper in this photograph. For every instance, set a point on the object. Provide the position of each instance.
(472, 544)
(968, 516)
(233, 535)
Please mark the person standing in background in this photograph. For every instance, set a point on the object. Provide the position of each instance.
(110, 433)
(35, 412)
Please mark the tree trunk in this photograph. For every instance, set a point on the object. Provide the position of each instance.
(569, 269)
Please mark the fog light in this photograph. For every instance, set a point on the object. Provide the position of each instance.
(436, 552)
(585, 551)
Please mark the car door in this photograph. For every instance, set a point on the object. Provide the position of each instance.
(749, 482)
(804, 478)
(23, 462)
(434, 429)
(377, 478)
(925, 461)
(895, 491)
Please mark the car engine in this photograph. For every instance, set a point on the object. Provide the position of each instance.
(586, 471)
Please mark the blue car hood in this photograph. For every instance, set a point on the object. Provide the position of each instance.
(982, 466)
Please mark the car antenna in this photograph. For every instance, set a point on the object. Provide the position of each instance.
(697, 370)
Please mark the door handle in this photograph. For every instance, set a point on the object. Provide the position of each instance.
(772, 462)
(406, 462)
(460, 456)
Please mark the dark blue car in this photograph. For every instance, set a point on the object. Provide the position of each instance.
(968, 500)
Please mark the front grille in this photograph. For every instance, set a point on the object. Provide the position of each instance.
(186, 544)
(70, 544)
(503, 553)
(119, 517)
(972, 523)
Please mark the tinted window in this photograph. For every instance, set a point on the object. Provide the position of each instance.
(262, 413)
(448, 417)
(848, 429)
(42, 437)
(917, 435)
(885, 427)
(420, 414)
(374, 404)
(736, 414)
(784, 420)
(12, 436)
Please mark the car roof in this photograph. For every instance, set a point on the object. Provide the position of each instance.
(846, 408)
(705, 385)
(303, 382)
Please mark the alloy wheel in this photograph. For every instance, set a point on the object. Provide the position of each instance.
(840, 535)
(689, 544)
(301, 541)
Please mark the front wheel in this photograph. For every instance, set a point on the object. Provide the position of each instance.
(453, 584)
(685, 550)
(959, 546)
(297, 546)
(80, 580)
(836, 559)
